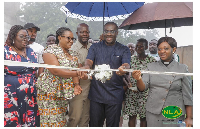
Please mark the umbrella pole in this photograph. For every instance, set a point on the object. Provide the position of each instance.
(165, 28)
(103, 13)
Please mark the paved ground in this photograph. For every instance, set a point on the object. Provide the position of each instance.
(125, 123)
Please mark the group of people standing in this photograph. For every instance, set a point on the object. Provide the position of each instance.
(40, 97)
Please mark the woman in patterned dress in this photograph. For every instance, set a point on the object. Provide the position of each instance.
(135, 100)
(20, 107)
(55, 86)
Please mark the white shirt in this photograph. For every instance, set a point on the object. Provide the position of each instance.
(156, 56)
(38, 49)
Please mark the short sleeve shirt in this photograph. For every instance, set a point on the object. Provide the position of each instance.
(82, 54)
(138, 64)
(38, 49)
(110, 92)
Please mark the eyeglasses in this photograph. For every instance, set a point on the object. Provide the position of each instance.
(70, 39)
(24, 37)
(87, 32)
(152, 44)
(109, 31)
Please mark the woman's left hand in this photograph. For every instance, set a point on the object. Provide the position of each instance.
(77, 89)
(189, 122)
(136, 74)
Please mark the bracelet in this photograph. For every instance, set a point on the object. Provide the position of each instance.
(88, 77)
(76, 84)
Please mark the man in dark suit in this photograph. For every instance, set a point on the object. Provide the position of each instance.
(106, 98)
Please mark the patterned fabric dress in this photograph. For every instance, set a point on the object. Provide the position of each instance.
(135, 100)
(53, 91)
(20, 106)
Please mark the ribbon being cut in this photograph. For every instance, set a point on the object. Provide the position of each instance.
(101, 72)
(104, 73)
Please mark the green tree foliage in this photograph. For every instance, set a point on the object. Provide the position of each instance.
(46, 15)
(49, 17)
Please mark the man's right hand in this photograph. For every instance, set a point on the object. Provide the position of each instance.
(81, 74)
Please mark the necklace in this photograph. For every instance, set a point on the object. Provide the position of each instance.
(66, 52)
(22, 53)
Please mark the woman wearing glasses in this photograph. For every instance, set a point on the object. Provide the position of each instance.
(55, 86)
(20, 106)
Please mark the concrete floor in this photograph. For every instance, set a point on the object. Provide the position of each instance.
(124, 124)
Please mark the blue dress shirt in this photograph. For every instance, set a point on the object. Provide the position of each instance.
(110, 92)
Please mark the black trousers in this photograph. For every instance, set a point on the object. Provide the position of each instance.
(99, 112)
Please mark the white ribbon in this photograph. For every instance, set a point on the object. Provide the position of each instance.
(27, 64)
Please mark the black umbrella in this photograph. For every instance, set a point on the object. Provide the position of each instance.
(160, 15)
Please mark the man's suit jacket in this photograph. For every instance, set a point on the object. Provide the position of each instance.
(167, 90)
